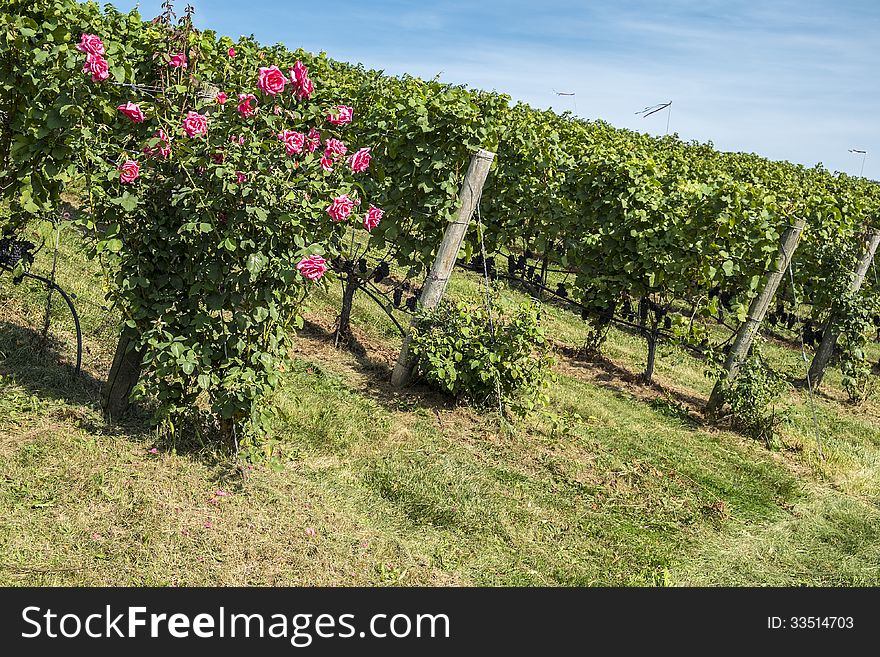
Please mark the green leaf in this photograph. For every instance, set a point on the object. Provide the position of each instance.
(255, 263)
(128, 202)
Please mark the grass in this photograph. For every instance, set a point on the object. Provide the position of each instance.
(616, 484)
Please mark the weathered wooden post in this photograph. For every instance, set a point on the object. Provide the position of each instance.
(831, 331)
(438, 278)
(124, 375)
(745, 336)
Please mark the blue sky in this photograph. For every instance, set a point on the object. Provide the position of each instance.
(788, 79)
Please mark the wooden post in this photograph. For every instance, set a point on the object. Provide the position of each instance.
(349, 288)
(124, 374)
(648, 374)
(438, 278)
(831, 331)
(745, 336)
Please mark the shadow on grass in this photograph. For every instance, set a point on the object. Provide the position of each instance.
(607, 374)
(378, 372)
(38, 366)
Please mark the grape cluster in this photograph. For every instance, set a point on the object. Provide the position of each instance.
(811, 335)
(382, 272)
(411, 300)
(13, 251)
(478, 263)
(780, 316)
(724, 297)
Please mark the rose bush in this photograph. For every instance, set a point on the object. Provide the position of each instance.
(211, 219)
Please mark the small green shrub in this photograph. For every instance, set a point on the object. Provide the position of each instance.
(752, 398)
(853, 320)
(503, 362)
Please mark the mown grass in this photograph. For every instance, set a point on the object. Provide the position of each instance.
(616, 483)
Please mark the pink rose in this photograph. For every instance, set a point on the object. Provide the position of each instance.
(195, 124)
(240, 177)
(163, 148)
(313, 140)
(132, 111)
(313, 267)
(271, 80)
(293, 141)
(299, 76)
(178, 61)
(245, 108)
(343, 115)
(89, 43)
(232, 52)
(326, 163)
(221, 98)
(129, 172)
(97, 67)
(237, 140)
(334, 147)
(360, 161)
(341, 208)
(372, 218)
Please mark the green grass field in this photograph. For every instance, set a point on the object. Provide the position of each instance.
(616, 484)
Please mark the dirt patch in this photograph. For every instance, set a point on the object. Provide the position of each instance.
(366, 363)
(608, 374)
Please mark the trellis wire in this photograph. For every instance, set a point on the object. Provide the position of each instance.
(806, 361)
(487, 287)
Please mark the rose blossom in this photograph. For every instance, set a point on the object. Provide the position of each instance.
(360, 161)
(341, 207)
(217, 157)
(313, 267)
(343, 115)
(245, 108)
(231, 52)
(98, 68)
(221, 97)
(334, 147)
(129, 172)
(240, 177)
(132, 111)
(326, 163)
(163, 148)
(91, 44)
(313, 140)
(299, 76)
(371, 220)
(293, 141)
(195, 124)
(271, 80)
(178, 61)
